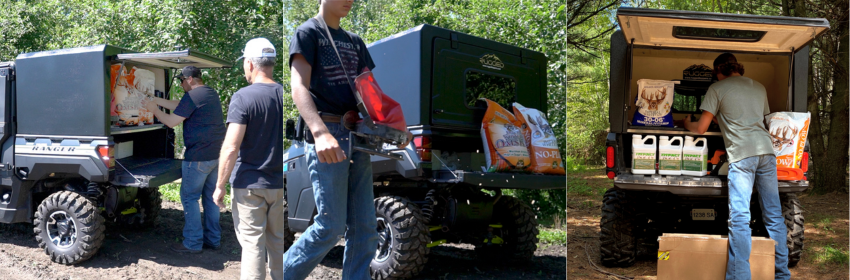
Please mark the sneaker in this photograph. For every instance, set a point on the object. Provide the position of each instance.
(179, 248)
(208, 246)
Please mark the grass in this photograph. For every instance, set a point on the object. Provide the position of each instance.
(580, 187)
(552, 236)
(823, 221)
(830, 255)
(171, 192)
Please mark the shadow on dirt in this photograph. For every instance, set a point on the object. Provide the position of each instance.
(458, 261)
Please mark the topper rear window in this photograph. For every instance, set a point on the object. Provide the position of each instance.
(717, 34)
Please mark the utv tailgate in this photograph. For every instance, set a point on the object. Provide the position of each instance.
(504, 180)
(727, 32)
(146, 172)
(690, 185)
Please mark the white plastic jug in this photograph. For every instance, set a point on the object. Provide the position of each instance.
(695, 158)
(643, 154)
(670, 155)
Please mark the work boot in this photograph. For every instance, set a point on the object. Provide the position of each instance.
(208, 246)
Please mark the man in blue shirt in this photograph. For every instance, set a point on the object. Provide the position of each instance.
(203, 132)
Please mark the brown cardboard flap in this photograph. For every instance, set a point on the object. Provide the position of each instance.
(701, 256)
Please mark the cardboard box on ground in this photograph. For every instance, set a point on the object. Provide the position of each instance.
(704, 257)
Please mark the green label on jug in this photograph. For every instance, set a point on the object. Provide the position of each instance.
(646, 164)
(667, 164)
(694, 162)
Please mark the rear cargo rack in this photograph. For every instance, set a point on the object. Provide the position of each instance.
(502, 180)
(146, 172)
(134, 129)
(691, 185)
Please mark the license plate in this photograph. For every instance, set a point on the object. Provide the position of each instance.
(703, 214)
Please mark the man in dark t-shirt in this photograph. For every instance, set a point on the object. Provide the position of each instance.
(252, 158)
(203, 132)
(342, 187)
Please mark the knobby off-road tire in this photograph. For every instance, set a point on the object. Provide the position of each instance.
(403, 239)
(150, 201)
(68, 227)
(288, 235)
(518, 233)
(793, 213)
(617, 239)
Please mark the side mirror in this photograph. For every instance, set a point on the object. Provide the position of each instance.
(290, 129)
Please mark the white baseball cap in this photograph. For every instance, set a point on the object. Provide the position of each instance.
(254, 48)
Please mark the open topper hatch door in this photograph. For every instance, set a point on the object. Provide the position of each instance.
(716, 31)
(176, 59)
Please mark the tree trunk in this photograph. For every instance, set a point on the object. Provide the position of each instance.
(839, 124)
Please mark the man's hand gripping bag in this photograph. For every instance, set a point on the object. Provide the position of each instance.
(541, 141)
(505, 145)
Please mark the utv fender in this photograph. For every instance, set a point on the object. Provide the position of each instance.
(41, 166)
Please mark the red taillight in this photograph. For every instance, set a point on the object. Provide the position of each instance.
(609, 158)
(107, 155)
(423, 147)
(611, 175)
(804, 164)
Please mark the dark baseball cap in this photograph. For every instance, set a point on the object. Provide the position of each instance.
(189, 71)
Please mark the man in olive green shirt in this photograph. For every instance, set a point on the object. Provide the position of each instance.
(740, 104)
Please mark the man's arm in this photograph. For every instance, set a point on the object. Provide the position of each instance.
(165, 103)
(699, 127)
(227, 159)
(171, 120)
(327, 148)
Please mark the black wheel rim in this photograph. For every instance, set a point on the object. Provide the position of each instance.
(61, 229)
(385, 240)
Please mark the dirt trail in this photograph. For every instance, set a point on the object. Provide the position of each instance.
(125, 254)
(458, 261)
(827, 226)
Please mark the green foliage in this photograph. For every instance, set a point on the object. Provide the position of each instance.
(171, 192)
(552, 236)
(587, 90)
(574, 165)
(498, 89)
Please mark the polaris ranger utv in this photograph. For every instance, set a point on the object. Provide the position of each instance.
(431, 193)
(67, 165)
(661, 44)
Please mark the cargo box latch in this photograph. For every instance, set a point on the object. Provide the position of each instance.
(454, 40)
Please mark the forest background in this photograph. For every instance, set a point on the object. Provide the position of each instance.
(590, 24)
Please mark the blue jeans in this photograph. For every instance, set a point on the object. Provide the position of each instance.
(344, 198)
(199, 177)
(760, 170)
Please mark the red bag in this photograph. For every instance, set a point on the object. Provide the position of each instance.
(382, 109)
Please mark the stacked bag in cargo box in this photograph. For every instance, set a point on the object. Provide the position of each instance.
(520, 142)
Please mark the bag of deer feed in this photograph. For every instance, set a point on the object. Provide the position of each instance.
(788, 132)
(541, 141)
(654, 103)
(505, 145)
(128, 90)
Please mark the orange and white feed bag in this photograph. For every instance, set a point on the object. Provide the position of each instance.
(788, 132)
(541, 141)
(129, 89)
(501, 133)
